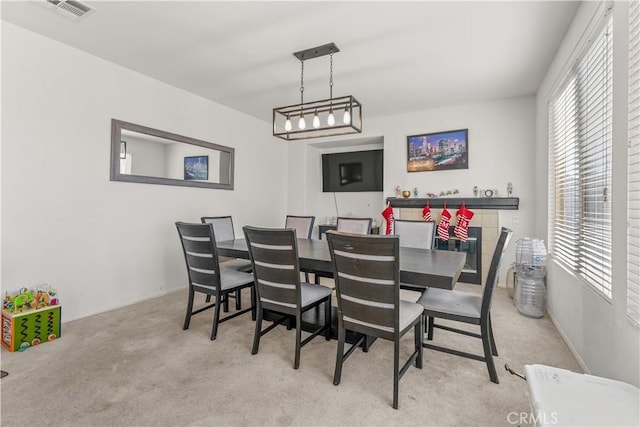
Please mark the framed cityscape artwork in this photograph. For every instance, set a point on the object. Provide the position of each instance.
(438, 151)
(196, 167)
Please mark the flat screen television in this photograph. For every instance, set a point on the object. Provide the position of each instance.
(352, 171)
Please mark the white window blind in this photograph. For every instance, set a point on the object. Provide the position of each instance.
(633, 195)
(580, 140)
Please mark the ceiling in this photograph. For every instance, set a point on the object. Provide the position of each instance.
(395, 56)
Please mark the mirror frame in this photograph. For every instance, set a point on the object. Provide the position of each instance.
(116, 131)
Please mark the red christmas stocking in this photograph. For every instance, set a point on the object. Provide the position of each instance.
(426, 213)
(464, 216)
(443, 225)
(387, 214)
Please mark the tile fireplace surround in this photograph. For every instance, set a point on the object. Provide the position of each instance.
(485, 216)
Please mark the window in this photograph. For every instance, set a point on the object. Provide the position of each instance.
(633, 195)
(580, 140)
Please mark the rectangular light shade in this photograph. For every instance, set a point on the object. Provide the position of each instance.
(323, 108)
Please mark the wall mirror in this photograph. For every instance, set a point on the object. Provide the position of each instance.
(151, 156)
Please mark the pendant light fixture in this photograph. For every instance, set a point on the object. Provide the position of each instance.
(321, 113)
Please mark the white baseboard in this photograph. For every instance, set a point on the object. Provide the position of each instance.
(130, 302)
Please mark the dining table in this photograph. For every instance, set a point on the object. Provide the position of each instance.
(418, 267)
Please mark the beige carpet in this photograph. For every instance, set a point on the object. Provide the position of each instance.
(135, 366)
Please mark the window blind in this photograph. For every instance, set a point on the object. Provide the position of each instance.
(580, 138)
(633, 193)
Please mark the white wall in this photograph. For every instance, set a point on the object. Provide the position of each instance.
(501, 150)
(106, 244)
(597, 330)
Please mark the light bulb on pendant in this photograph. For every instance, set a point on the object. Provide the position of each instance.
(316, 120)
(301, 122)
(331, 120)
(287, 124)
(346, 119)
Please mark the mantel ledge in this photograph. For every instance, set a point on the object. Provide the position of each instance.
(503, 203)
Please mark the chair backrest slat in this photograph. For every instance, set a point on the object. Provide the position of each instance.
(302, 224)
(222, 225)
(367, 276)
(354, 225)
(494, 269)
(415, 234)
(200, 253)
(276, 268)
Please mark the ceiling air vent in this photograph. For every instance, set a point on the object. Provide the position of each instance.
(71, 8)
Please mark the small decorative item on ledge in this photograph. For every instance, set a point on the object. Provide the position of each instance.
(415, 191)
(406, 194)
(446, 193)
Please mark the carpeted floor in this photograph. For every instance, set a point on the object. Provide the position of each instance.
(135, 366)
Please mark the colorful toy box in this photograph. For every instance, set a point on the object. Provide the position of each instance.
(30, 317)
(23, 330)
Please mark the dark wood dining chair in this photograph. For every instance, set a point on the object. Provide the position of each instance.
(347, 225)
(276, 269)
(367, 275)
(415, 234)
(205, 275)
(223, 228)
(354, 225)
(304, 228)
(302, 224)
(467, 308)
